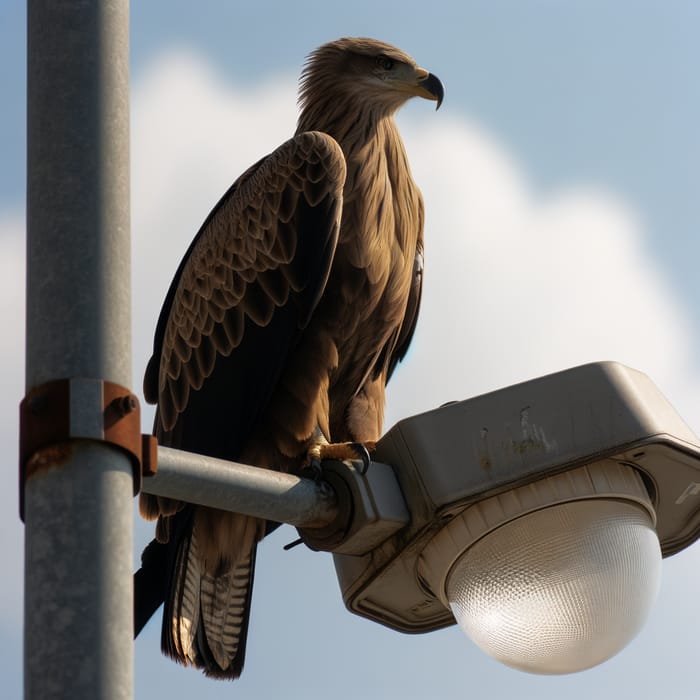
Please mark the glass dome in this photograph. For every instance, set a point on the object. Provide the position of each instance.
(560, 589)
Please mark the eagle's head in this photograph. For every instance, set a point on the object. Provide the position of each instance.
(367, 72)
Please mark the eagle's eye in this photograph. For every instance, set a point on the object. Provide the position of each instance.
(385, 63)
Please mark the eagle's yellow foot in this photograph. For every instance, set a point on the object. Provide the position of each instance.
(340, 451)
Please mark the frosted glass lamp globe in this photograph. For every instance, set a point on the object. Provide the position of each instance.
(561, 589)
(555, 576)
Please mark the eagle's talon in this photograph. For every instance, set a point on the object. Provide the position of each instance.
(362, 453)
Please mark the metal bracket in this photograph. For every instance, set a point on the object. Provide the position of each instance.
(371, 508)
(58, 412)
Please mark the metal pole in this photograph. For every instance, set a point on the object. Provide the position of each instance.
(240, 488)
(78, 503)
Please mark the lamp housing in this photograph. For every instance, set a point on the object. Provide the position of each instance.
(449, 459)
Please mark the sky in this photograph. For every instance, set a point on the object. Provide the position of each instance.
(560, 179)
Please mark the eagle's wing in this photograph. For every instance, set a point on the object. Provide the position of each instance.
(245, 289)
(239, 302)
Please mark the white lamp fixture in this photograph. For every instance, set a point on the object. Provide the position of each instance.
(535, 516)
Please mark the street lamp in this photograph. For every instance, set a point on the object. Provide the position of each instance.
(536, 516)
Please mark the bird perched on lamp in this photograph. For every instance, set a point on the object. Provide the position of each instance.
(281, 328)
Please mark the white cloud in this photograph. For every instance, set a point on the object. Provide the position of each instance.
(516, 284)
(519, 285)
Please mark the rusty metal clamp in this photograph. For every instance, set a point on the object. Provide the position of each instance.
(58, 412)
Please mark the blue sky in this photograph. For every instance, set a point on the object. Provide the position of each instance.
(561, 187)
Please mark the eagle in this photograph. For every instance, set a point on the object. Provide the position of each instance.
(284, 322)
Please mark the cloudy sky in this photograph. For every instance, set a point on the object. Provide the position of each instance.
(563, 209)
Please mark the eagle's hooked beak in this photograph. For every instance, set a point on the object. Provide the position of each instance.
(430, 86)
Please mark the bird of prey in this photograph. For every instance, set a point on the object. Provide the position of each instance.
(281, 328)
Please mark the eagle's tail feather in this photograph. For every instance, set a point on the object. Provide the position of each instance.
(205, 623)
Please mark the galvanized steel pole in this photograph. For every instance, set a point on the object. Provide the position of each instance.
(78, 504)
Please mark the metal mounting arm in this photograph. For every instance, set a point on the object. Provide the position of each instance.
(346, 511)
(241, 488)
